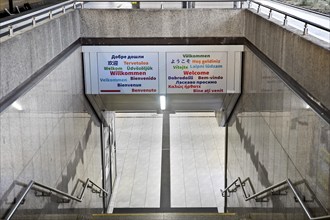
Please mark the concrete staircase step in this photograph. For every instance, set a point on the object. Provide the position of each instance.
(277, 216)
(165, 216)
(169, 216)
(52, 217)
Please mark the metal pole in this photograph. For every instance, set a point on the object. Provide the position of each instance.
(11, 6)
(18, 203)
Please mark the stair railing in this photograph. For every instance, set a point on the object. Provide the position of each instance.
(239, 183)
(9, 27)
(87, 184)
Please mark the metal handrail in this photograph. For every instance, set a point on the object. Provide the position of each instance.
(51, 189)
(307, 22)
(266, 190)
(32, 18)
(241, 184)
(291, 186)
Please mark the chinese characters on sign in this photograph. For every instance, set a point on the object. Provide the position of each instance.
(196, 72)
(138, 72)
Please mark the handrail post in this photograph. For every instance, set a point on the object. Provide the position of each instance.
(18, 203)
(33, 21)
(285, 22)
(11, 30)
(291, 186)
(235, 4)
(270, 14)
(84, 189)
(258, 10)
(305, 29)
(298, 198)
(240, 182)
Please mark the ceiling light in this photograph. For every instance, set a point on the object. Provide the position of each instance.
(162, 102)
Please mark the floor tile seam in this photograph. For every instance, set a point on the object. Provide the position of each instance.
(131, 191)
(145, 198)
(208, 164)
(212, 132)
(113, 198)
(199, 189)
(213, 184)
(199, 184)
(119, 175)
(183, 174)
(199, 126)
(153, 136)
(180, 134)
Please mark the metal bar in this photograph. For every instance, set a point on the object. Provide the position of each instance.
(290, 184)
(292, 16)
(84, 189)
(36, 13)
(285, 21)
(305, 29)
(98, 187)
(302, 203)
(316, 199)
(37, 76)
(240, 182)
(30, 185)
(11, 6)
(24, 20)
(18, 203)
(57, 191)
(250, 183)
(321, 217)
(322, 111)
(230, 185)
(86, 1)
(299, 199)
(266, 190)
(270, 13)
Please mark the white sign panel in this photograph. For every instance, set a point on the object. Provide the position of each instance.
(128, 73)
(196, 72)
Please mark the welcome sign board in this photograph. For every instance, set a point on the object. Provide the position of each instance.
(128, 73)
(162, 69)
(196, 72)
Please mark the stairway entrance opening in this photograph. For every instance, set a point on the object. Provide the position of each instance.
(168, 162)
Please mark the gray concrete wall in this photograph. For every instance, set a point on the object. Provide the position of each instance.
(29, 50)
(274, 136)
(162, 23)
(52, 140)
(304, 58)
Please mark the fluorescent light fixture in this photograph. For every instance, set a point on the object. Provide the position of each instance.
(17, 106)
(162, 102)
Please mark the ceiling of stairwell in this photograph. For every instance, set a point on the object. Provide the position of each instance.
(195, 102)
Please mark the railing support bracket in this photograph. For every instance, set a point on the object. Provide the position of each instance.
(42, 194)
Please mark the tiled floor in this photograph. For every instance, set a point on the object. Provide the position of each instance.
(139, 143)
(197, 160)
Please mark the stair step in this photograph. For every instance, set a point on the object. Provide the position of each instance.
(169, 216)
(165, 216)
(51, 217)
